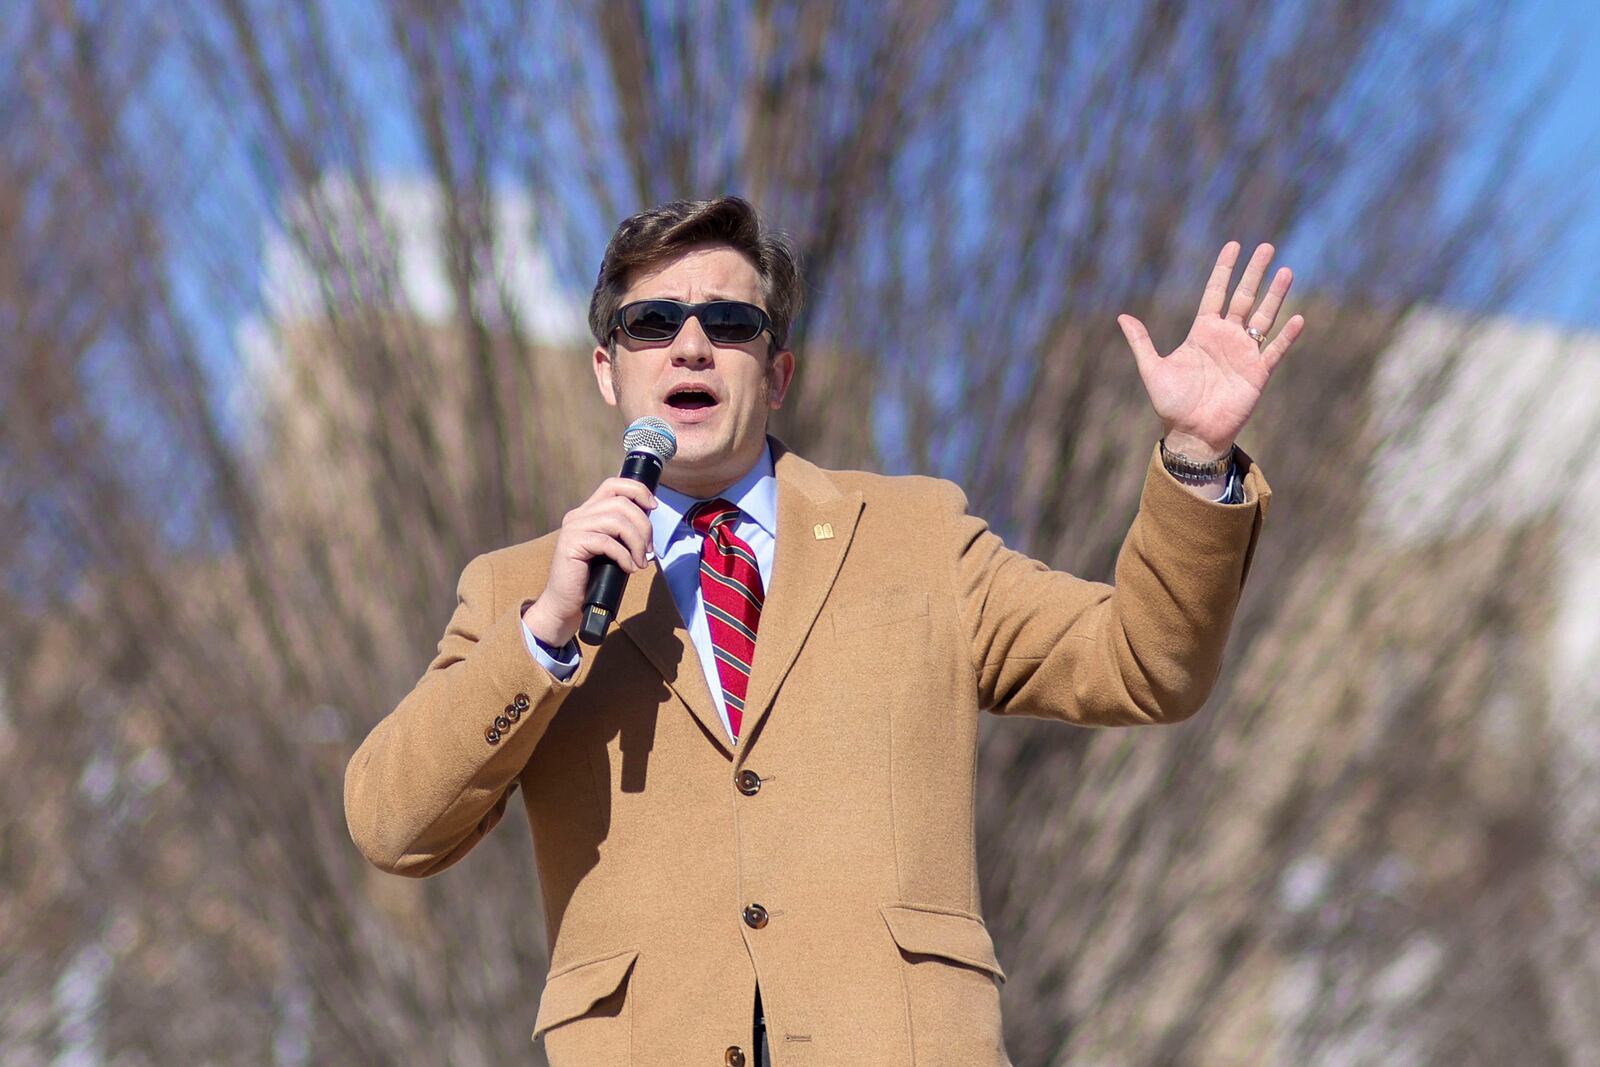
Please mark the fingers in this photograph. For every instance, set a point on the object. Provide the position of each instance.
(1267, 313)
(618, 513)
(624, 522)
(1217, 287)
(1280, 344)
(627, 487)
(1138, 339)
(598, 544)
(1244, 297)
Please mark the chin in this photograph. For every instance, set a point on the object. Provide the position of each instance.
(698, 447)
(701, 456)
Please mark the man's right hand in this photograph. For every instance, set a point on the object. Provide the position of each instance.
(614, 522)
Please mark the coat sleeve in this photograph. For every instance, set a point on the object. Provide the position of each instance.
(1145, 650)
(436, 773)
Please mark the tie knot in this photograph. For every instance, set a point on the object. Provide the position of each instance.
(708, 515)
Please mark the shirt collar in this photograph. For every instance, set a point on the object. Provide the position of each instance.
(755, 494)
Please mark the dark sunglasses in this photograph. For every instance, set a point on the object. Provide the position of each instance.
(726, 322)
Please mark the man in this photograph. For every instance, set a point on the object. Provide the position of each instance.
(752, 804)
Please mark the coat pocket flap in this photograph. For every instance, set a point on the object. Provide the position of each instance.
(576, 988)
(954, 935)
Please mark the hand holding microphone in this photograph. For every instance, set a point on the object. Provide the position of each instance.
(602, 541)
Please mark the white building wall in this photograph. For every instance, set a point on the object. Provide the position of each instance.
(1511, 435)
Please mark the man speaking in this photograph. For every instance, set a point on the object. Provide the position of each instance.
(752, 802)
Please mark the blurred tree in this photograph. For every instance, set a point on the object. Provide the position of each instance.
(292, 298)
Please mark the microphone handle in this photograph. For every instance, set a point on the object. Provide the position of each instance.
(607, 579)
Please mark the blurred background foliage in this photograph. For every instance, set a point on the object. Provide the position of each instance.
(291, 298)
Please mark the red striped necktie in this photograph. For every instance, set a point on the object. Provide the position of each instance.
(730, 587)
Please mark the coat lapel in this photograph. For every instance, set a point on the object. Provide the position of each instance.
(816, 524)
(650, 617)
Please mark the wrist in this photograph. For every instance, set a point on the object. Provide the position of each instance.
(556, 633)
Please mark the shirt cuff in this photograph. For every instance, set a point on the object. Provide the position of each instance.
(560, 662)
(1233, 493)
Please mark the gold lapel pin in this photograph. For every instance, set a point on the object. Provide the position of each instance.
(823, 530)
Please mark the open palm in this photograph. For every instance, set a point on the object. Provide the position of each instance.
(1208, 386)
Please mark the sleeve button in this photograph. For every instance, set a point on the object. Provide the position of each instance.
(492, 735)
(513, 712)
(521, 701)
(502, 723)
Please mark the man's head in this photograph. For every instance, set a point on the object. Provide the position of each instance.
(695, 251)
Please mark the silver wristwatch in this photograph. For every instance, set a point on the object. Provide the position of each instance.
(1189, 471)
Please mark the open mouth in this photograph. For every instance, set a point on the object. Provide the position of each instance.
(690, 398)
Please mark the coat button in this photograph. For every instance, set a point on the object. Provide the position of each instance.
(492, 735)
(513, 712)
(502, 723)
(749, 783)
(755, 916)
(734, 1057)
(521, 701)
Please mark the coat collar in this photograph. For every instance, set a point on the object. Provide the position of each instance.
(805, 563)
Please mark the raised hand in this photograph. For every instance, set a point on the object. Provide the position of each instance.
(1206, 388)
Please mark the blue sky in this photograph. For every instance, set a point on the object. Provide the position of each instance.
(1567, 289)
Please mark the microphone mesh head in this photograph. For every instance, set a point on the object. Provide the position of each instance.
(651, 435)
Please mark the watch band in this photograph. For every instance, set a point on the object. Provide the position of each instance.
(1190, 471)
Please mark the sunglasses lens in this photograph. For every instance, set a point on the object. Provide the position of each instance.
(724, 321)
(652, 320)
(731, 321)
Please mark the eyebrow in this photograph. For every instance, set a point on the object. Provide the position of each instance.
(712, 295)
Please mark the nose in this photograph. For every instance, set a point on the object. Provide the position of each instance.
(691, 346)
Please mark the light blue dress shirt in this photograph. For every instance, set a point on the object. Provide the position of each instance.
(677, 551)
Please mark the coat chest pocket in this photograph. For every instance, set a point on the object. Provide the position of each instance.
(586, 1011)
(952, 984)
(881, 609)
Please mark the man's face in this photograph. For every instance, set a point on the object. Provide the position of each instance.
(717, 441)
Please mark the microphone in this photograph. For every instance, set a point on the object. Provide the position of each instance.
(649, 444)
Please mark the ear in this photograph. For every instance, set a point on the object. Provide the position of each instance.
(604, 372)
(780, 372)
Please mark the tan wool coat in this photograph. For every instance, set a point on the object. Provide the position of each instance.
(829, 855)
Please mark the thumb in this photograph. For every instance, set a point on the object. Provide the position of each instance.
(1139, 340)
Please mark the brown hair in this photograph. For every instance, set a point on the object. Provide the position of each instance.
(653, 236)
